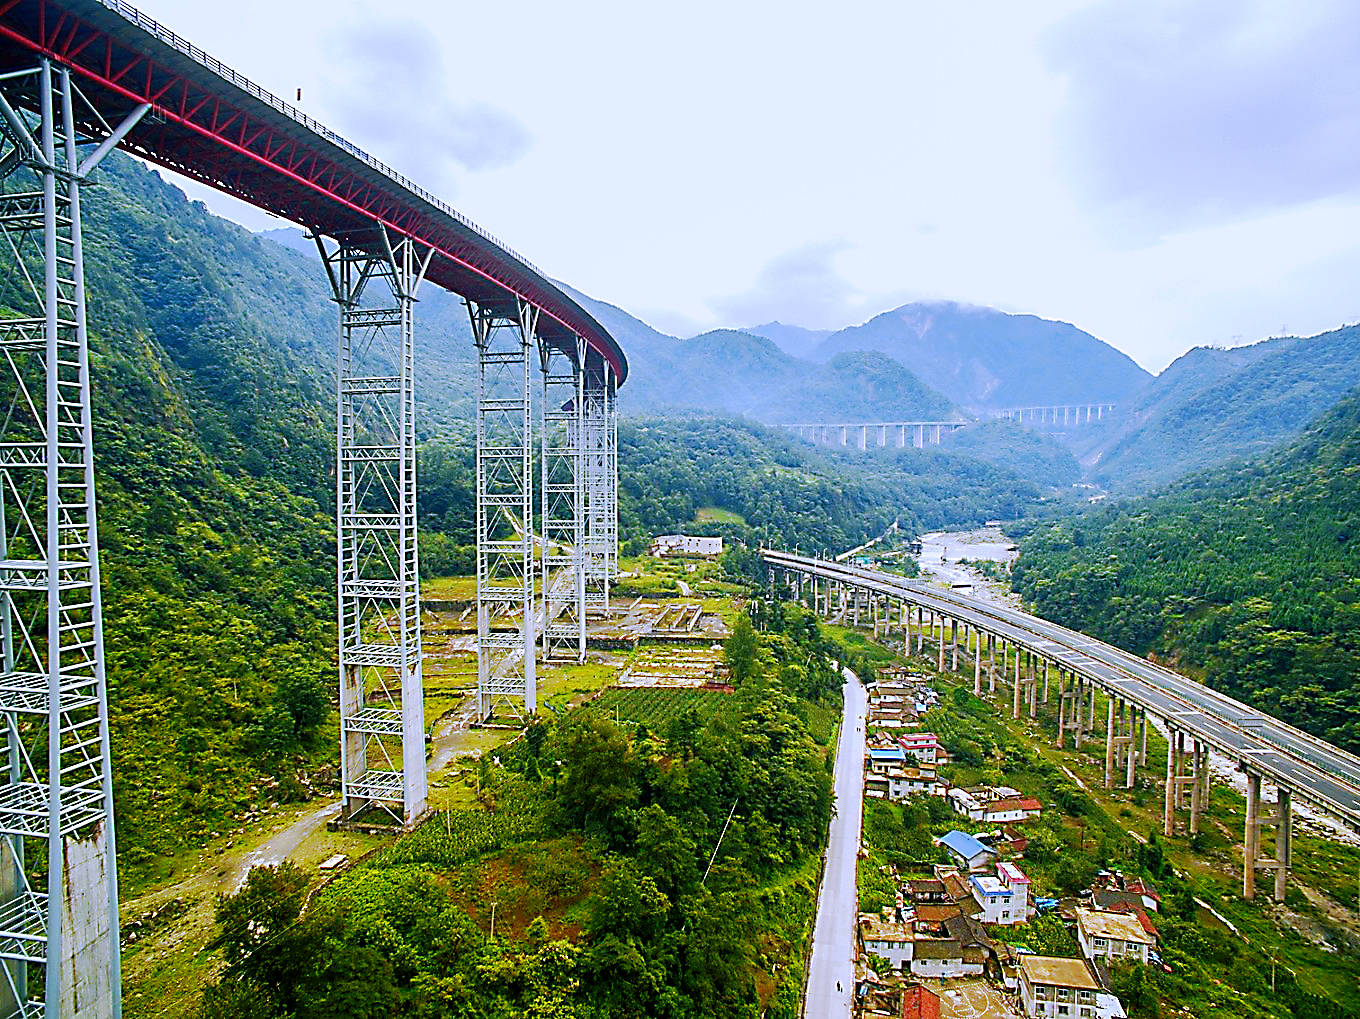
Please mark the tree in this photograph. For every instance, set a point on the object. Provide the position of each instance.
(741, 651)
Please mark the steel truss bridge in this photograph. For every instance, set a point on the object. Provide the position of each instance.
(79, 78)
(1042, 657)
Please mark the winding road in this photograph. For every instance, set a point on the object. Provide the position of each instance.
(831, 974)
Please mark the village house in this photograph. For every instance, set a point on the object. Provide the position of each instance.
(882, 759)
(1053, 987)
(924, 746)
(975, 856)
(999, 805)
(901, 783)
(886, 937)
(1110, 936)
(1004, 898)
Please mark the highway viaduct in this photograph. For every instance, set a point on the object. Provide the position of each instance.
(919, 434)
(79, 78)
(1040, 659)
(1063, 415)
(897, 434)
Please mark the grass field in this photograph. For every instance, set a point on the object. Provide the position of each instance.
(718, 515)
(449, 588)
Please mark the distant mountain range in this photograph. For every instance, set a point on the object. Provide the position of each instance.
(1212, 405)
(981, 357)
(794, 340)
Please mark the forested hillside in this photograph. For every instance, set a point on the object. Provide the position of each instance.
(789, 493)
(981, 357)
(1249, 574)
(1212, 405)
(741, 373)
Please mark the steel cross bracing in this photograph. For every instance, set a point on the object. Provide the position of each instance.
(382, 715)
(506, 636)
(563, 497)
(599, 489)
(59, 951)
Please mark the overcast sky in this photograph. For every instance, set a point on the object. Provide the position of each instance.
(1162, 174)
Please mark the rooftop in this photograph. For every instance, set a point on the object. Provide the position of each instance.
(876, 927)
(1045, 969)
(1102, 923)
(964, 844)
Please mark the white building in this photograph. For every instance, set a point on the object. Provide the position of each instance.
(887, 938)
(684, 544)
(999, 805)
(1112, 936)
(1004, 898)
(1061, 988)
(924, 746)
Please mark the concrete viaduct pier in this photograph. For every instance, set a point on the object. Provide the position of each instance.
(878, 434)
(1103, 692)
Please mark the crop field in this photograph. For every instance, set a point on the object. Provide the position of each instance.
(656, 706)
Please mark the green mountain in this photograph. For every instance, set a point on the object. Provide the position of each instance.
(861, 386)
(1212, 405)
(793, 340)
(735, 372)
(1248, 574)
(981, 357)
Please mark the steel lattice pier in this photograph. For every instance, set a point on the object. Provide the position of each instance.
(61, 941)
(382, 714)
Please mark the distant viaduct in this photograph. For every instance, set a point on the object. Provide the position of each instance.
(900, 434)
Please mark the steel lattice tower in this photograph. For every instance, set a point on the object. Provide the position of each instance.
(59, 950)
(563, 492)
(506, 637)
(382, 713)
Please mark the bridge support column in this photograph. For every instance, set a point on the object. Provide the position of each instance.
(1130, 746)
(1142, 752)
(563, 493)
(991, 664)
(1110, 740)
(940, 618)
(1172, 767)
(977, 663)
(382, 711)
(58, 874)
(1078, 701)
(1015, 690)
(1033, 684)
(1062, 711)
(1284, 842)
(1046, 664)
(954, 641)
(506, 641)
(1251, 842)
(1196, 785)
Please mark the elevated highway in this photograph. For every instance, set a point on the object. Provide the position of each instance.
(1197, 717)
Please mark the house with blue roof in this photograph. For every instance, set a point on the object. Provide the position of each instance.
(883, 758)
(970, 853)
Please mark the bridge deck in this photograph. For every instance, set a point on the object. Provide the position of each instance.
(211, 124)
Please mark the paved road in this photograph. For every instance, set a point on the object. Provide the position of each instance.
(833, 938)
(1320, 773)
